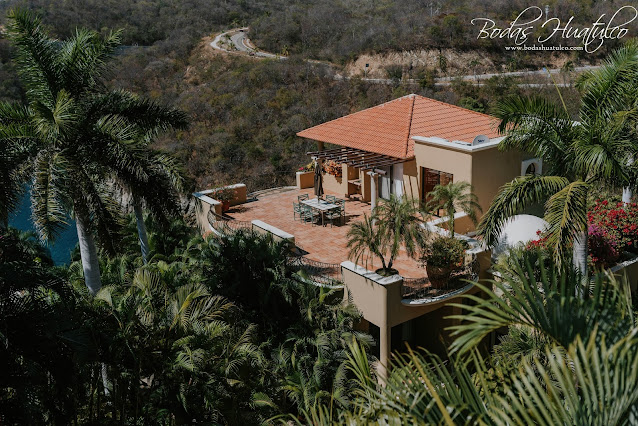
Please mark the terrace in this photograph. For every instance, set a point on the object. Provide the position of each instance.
(326, 243)
(320, 249)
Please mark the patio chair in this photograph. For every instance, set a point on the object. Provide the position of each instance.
(310, 214)
(330, 198)
(335, 214)
(342, 204)
(302, 197)
(297, 210)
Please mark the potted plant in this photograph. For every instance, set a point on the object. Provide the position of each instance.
(224, 195)
(443, 256)
(393, 224)
(333, 168)
(310, 167)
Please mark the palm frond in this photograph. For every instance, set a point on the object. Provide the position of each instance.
(566, 214)
(513, 198)
(48, 204)
(552, 305)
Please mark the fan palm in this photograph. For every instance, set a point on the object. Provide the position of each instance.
(80, 138)
(453, 197)
(577, 155)
(394, 222)
(180, 335)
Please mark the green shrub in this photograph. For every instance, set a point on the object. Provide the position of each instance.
(444, 252)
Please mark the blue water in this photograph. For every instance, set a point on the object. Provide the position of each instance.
(63, 244)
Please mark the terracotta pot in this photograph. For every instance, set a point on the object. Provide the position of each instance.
(438, 275)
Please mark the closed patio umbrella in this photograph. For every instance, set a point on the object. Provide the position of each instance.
(318, 180)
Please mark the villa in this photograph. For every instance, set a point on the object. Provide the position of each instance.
(404, 147)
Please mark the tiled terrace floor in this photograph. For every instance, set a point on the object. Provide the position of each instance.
(323, 243)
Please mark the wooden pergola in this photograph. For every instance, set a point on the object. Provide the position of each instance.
(358, 158)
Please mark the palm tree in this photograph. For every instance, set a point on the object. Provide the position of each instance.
(587, 374)
(577, 155)
(12, 154)
(182, 340)
(453, 197)
(393, 223)
(80, 137)
(158, 182)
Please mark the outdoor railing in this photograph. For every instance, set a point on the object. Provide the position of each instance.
(421, 288)
(327, 274)
(225, 226)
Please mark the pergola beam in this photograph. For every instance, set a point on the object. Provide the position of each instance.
(357, 158)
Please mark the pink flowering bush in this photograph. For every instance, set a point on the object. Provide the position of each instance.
(603, 247)
(618, 221)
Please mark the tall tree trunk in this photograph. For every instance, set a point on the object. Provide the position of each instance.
(141, 228)
(451, 224)
(580, 254)
(88, 252)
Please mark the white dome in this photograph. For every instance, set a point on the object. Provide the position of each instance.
(518, 229)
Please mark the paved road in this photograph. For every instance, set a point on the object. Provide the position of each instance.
(542, 72)
(240, 42)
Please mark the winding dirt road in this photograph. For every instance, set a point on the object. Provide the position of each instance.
(237, 41)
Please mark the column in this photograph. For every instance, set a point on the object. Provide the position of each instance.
(373, 190)
(385, 348)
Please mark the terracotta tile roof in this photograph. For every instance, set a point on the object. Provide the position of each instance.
(388, 128)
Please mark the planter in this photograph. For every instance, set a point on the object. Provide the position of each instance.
(386, 273)
(439, 275)
(225, 206)
(305, 179)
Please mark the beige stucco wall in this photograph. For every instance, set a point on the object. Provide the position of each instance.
(277, 234)
(203, 206)
(241, 194)
(487, 169)
(491, 169)
(333, 184)
(411, 184)
(206, 203)
(446, 160)
(379, 299)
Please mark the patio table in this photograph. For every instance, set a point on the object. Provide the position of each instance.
(322, 205)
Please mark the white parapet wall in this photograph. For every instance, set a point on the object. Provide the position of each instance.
(277, 234)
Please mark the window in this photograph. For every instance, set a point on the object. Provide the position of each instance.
(533, 166)
(431, 178)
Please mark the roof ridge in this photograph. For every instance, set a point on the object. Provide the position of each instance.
(400, 98)
(457, 107)
(407, 137)
(412, 95)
